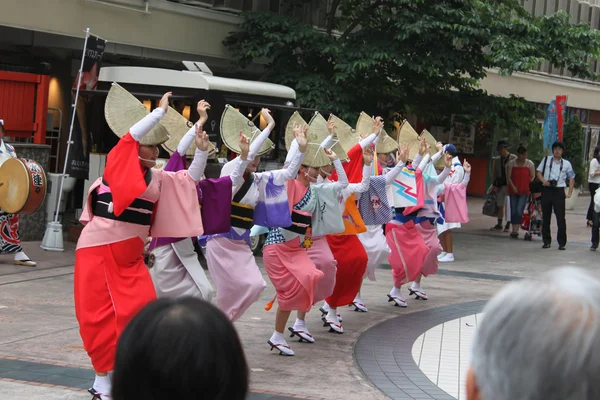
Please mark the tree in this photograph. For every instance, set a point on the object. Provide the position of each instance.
(412, 56)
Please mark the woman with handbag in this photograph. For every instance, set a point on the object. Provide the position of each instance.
(520, 173)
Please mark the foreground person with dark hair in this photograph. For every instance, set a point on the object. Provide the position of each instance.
(180, 349)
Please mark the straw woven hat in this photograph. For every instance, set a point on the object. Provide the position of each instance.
(177, 126)
(409, 137)
(296, 119)
(232, 122)
(315, 156)
(319, 125)
(347, 136)
(432, 142)
(385, 144)
(122, 110)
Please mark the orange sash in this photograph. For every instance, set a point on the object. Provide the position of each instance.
(353, 222)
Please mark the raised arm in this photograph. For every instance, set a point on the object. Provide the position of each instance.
(402, 158)
(377, 127)
(393, 173)
(198, 165)
(361, 187)
(263, 136)
(440, 148)
(189, 137)
(141, 128)
(447, 167)
(291, 153)
(241, 162)
(282, 175)
(467, 177)
(424, 162)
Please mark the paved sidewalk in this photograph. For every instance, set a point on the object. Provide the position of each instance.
(37, 322)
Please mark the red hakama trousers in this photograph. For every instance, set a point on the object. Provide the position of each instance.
(352, 262)
(112, 284)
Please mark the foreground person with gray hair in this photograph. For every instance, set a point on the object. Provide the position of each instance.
(539, 340)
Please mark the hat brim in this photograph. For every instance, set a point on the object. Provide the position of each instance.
(122, 110)
(232, 123)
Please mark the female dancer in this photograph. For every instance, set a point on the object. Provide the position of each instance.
(112, 283)
(291, 270)
(9, 223)
(426, 216)
(231, 263)
(376, 203)
(176, 270)
(353, 170)
(457, 174)
(349, 254)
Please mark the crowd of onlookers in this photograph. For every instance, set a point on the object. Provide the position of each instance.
(518, 185)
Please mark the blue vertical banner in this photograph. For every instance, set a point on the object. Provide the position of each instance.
(550, 126)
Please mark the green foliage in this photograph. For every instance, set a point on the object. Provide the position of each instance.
(574, 148)
(413, 56)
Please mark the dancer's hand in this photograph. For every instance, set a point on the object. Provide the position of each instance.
(300, 134)
(377, 125)
(164, 102)
(403, 153)
(467, 167)
(422, 147)
(202, 109)
(202, 139)
(448, 160)
(439, 146)
(331, 127)
(331, 155)
(266, 113)
(368, 156)
(244, 146)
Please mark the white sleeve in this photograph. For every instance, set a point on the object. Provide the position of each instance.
(258, 143)
(186, 141)
(436, 156)
(145, 125)
(237, 176)
(391, 175)
(291, 153)
(368, 140)
(341, 173)
(417, 160)
(443, 175)
(466, 179)
(196, 169)
(327, 142)
(291, 172)
(361, 187)
(424, 161)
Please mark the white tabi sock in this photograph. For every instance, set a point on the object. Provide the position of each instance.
(278, 338)
(299, 325)
(21, 256)
(326, 306)
(103, 385)
(357, 298)
(415, 286)
(396, 292)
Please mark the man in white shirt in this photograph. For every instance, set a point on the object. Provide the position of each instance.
(554, 172)
(9, 223)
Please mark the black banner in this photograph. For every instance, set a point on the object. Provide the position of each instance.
(79, 153)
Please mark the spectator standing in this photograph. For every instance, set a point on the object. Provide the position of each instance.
(593, 183)
(500, 181)
(520, 173)
(554, 172)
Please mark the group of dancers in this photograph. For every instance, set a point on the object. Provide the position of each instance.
(329, 223)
